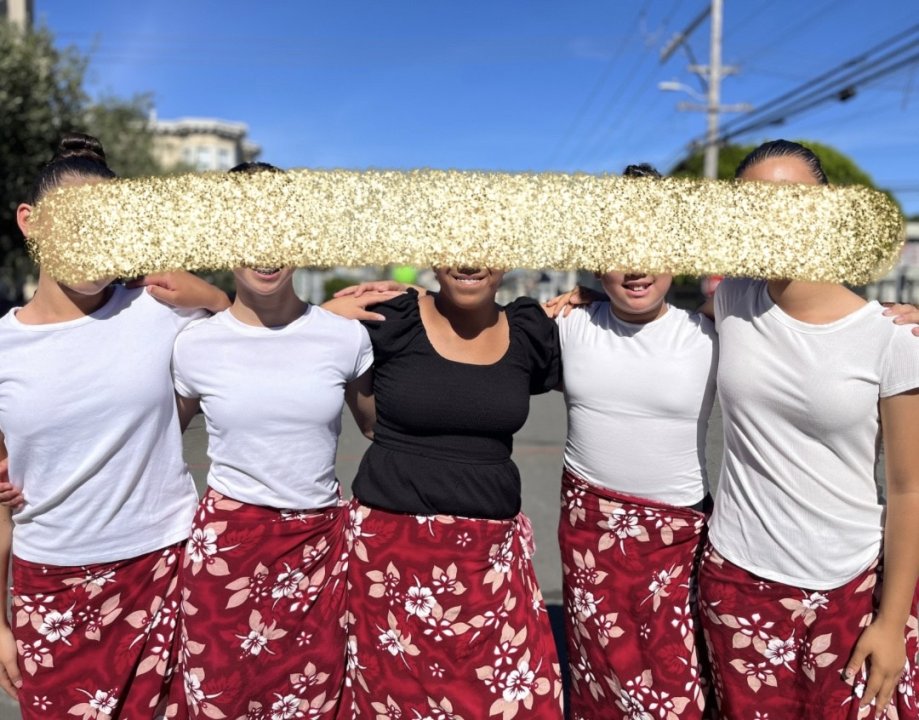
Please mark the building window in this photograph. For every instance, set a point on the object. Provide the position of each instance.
(224, 159)
(203, 158)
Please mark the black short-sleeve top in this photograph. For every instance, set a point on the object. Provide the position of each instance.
(444, 432)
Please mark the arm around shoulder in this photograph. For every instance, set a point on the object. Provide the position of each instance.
(182, 289)
(354, 306)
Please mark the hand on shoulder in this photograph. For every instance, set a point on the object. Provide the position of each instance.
(903, 314)
(566, 302)
(354, 306)
(378, 286)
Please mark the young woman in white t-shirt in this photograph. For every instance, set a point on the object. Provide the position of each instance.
(633, 519)
(89, 424)
(264, 574)
(808, 587)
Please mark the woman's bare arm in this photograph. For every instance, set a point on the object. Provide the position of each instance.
(9, 666)
(882, 642)
(188, 408)
(359, 396)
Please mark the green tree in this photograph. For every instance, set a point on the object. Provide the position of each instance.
(122, 127)
(839, 168)
(728, 159)
(41, 97)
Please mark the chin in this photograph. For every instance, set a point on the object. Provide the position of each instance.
(90, 288)
(463, 297)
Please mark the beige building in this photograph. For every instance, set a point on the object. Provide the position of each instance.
(18, 12)
(202, 143)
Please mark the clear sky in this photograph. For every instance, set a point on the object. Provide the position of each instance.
(492, 84)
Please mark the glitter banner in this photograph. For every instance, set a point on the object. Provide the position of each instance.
(125, 228)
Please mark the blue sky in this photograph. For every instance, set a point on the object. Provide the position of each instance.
(527, 85)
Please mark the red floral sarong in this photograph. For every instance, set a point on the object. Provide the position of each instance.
(631, 620)
(99, 641)
(263, 610)
(778, 651)
(447, 620)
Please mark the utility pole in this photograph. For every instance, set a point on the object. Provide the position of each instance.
(714, 91)
(711, 76)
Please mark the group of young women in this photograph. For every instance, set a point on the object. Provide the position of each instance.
(797, 618)
(273, 598)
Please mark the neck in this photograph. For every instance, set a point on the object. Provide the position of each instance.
(279, 308)
(813, 302)
(54, 302)
(640, 318)
(795, 295)
(467, 322)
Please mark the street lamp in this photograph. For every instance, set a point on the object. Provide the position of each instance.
(676, 86)
(705, 104)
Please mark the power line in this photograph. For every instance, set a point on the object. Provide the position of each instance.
(591, 96)
(585, 105)
(601, 142)
(840, 91)
(710, 76)
(765, 5)
(799, 27)
(798, 77)
(592, 137)
(808, 87)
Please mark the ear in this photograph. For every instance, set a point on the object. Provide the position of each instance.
(23, 213)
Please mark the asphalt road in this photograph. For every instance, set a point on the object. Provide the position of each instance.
(538, 449)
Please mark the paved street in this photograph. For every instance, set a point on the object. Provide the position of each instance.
(537, 450)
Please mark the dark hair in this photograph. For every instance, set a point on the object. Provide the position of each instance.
(641, 170)
(784, 148)
(77, 154)
(254, 167)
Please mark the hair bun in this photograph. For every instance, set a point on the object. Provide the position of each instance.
(80, 145)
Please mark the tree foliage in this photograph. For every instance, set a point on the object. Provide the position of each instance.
(122, 127)
(42, 96)
(839, 168)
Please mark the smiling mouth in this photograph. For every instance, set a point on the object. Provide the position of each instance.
(638, 284)
(266, 271)
(469, 275)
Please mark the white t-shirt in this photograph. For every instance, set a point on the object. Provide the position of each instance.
(639, 399)
(88, 414)
(797, 501)
(272, 400)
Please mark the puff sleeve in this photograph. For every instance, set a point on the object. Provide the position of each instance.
(402, 325)
(539, 336)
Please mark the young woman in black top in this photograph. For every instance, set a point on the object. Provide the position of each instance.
(447, 619)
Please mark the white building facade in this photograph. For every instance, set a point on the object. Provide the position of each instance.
(204, 144)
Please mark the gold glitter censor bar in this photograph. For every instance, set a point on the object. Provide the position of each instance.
(125, 228)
